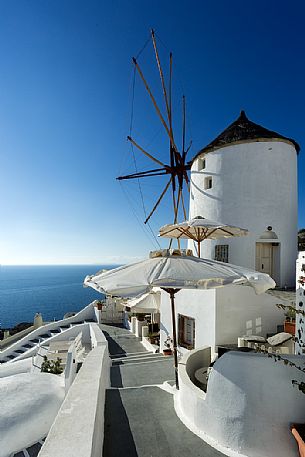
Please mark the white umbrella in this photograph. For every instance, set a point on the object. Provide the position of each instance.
(148, 302)
(172, 273)
(199, 229)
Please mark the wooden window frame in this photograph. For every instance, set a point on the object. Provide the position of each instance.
(181, 329)
(223, 253)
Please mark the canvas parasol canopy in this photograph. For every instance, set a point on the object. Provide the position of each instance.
(199, 229)
(148, 302)
(172, 273)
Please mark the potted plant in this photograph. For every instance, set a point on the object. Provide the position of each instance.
(51, 366)
(168, 346)
(289, 324)
(153, 338)
(99, 305)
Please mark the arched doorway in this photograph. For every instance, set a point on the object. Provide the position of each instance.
(267, 259)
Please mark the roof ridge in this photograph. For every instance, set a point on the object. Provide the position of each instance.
(243, 129)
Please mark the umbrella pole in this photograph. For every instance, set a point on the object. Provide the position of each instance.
(172, 298)
(198, 249)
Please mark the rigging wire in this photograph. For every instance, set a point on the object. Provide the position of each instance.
(132, 149)
(177, 74)
(190, 123)
(144, 46)
(131, 83)
(132, 100)
(131, 145)
(145, 231)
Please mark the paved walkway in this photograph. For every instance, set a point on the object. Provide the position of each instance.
(140, 420)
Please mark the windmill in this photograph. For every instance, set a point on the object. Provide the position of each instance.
(177, 167)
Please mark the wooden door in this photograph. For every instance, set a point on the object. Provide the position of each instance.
(264, 258)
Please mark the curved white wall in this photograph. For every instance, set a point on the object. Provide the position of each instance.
(249, 405)
(29, 405)
(254, 185)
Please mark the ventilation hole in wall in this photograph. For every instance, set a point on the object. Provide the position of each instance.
(301, 303)
(201, 164)
(208, 182)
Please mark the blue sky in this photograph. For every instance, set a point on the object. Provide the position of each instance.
(65, 103)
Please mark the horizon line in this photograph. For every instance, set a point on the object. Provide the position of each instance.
(56, 264)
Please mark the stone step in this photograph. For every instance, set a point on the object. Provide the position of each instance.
(128, 354)
(20, 351)
(28, 345)
(133, 360)
(44, 335)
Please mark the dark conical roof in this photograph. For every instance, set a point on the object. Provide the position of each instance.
(243, 130)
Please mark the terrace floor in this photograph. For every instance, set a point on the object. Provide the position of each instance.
(140, 419)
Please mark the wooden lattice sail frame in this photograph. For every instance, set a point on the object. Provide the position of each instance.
(177, 168)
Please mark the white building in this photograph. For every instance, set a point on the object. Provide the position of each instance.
(247, 176)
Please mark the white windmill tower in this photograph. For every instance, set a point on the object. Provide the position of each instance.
(247, 177)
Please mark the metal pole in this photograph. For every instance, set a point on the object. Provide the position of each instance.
(172, 298)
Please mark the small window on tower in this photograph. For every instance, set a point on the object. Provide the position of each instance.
(208, 182)
(201, 164)
(222, 253)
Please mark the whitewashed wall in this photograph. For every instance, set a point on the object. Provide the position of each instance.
(198, 304)
(248, 408)
(21, 366)
(254, 186)
(222, 315)
(239, 311)
(29, 405)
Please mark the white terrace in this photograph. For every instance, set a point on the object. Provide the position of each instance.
(244, 410)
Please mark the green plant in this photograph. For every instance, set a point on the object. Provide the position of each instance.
(51, 366)
(290, 313)
(168, 342)
(301, 239)
(153, 337)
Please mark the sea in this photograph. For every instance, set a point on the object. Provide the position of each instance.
(51, 290)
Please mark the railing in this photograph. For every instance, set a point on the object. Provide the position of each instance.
(13, 338)
(78, 429)
(86, 313)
